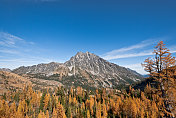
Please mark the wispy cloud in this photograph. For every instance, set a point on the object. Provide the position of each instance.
(172, 48)
(13, 63)
(137, 46)
(139, 51)
(109, 57)
(137, 67)
(11, 44)
(16, 51)
(26, 60)
(129, 55)
(132, 51)
(142, 44)
(6, 51)
(9, 40)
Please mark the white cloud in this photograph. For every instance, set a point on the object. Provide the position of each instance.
(13, 63)
(16, 52)
(109, 57)
(129, 55)
(137, 67)
(11, 44)
(173, 51)
(144, 48)
(8, 51)
(143, 44)
(8, 40)
(24, 60)
(133, 50)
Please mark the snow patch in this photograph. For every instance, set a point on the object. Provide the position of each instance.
(69, 74)
(70, 68)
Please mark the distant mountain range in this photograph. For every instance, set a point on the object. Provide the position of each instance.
(5, 69)
(84, 69)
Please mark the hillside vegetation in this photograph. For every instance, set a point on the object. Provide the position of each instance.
(157, 99)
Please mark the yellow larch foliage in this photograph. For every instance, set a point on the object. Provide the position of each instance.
(117, 106)
(83, 106)
(26, 116)
(54, 115)
(71, 91)
(46, 100)
(98, 110)
(79, 91)
(56, 99)
(34, 99)
(47, 114)
(60, 111)
(20, 110)
(154, 110)
(69, 99)
(74, 100)
(91, 104)
(88, 114)
(39, 94)
(29, 92)
(7, 110)
(142, 113)
(87, 103)
(43, 115)
(104, 110)
(13, 110)
(133, 108)
(40, 115)
(113, 106)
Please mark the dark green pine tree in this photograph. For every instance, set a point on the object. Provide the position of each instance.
(68, 112)
(41, 100)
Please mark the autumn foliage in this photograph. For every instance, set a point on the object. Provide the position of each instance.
(162, 68)
(155, 101)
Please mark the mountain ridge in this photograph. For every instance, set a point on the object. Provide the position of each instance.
(83, 69)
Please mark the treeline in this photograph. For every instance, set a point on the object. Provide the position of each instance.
(157, 100)
(77, 103)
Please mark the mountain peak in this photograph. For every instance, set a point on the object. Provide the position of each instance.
(82, 57)
(88, 69)
(84, 53)
(79, 53)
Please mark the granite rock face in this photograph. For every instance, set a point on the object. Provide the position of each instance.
(84, 69)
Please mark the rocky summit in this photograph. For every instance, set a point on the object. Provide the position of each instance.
(84, 69)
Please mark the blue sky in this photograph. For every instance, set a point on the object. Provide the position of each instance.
(122, 31)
